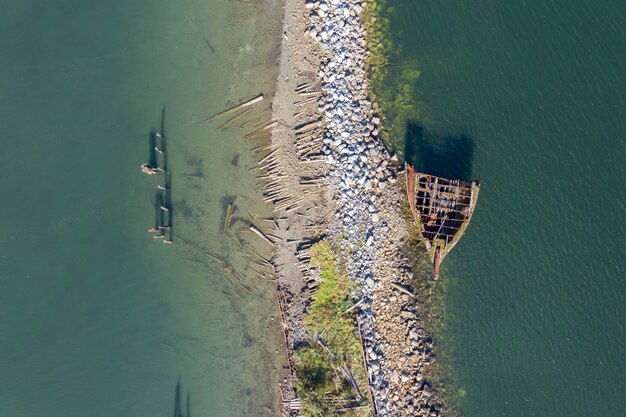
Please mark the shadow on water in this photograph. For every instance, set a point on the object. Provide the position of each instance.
(163, 144)
(448, 156)
(159, 212)
(163, 121)
(168, 199)
(178, 406)
(152, 160)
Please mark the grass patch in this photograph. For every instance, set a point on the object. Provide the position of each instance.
(323, 388)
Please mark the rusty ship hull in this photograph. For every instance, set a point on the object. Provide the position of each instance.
(442, 209)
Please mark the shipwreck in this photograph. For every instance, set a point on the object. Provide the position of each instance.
(442, 209)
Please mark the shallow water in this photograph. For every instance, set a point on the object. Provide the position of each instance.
(98, 318)
(534, 91)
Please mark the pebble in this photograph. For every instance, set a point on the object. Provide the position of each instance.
(358, 169)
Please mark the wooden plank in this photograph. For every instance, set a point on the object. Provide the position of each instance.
(237, 107)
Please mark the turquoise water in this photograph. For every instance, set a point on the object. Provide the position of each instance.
(535, 303)
(96, 317)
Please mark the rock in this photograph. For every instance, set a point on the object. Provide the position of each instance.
(407, 314)
(359, 173)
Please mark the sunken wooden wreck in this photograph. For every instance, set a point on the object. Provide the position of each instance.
(442, 209)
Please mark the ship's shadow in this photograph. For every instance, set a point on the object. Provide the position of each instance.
(448, 156)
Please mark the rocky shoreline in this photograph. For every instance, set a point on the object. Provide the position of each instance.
(332, 157)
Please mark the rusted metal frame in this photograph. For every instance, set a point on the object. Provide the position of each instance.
(434, 197)
(428, 177)
(440, 227)
(472, 195)
(445, 181)
(456, 220)
(441, 234)
(457, 192)
(453, 201)
(452, 208)
(450, 205)
(462, 187)
(454, 196)
(444, 209)
(446, 224)
(443, 205)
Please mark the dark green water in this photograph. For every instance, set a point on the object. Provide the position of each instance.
(96, 317)
(534, 93)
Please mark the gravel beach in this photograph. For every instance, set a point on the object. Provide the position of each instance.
(337, 181)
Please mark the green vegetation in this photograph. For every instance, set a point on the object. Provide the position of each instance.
(392, 80)
(322, 366)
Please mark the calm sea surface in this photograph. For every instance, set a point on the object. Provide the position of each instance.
(97, 318)
(536, 296)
